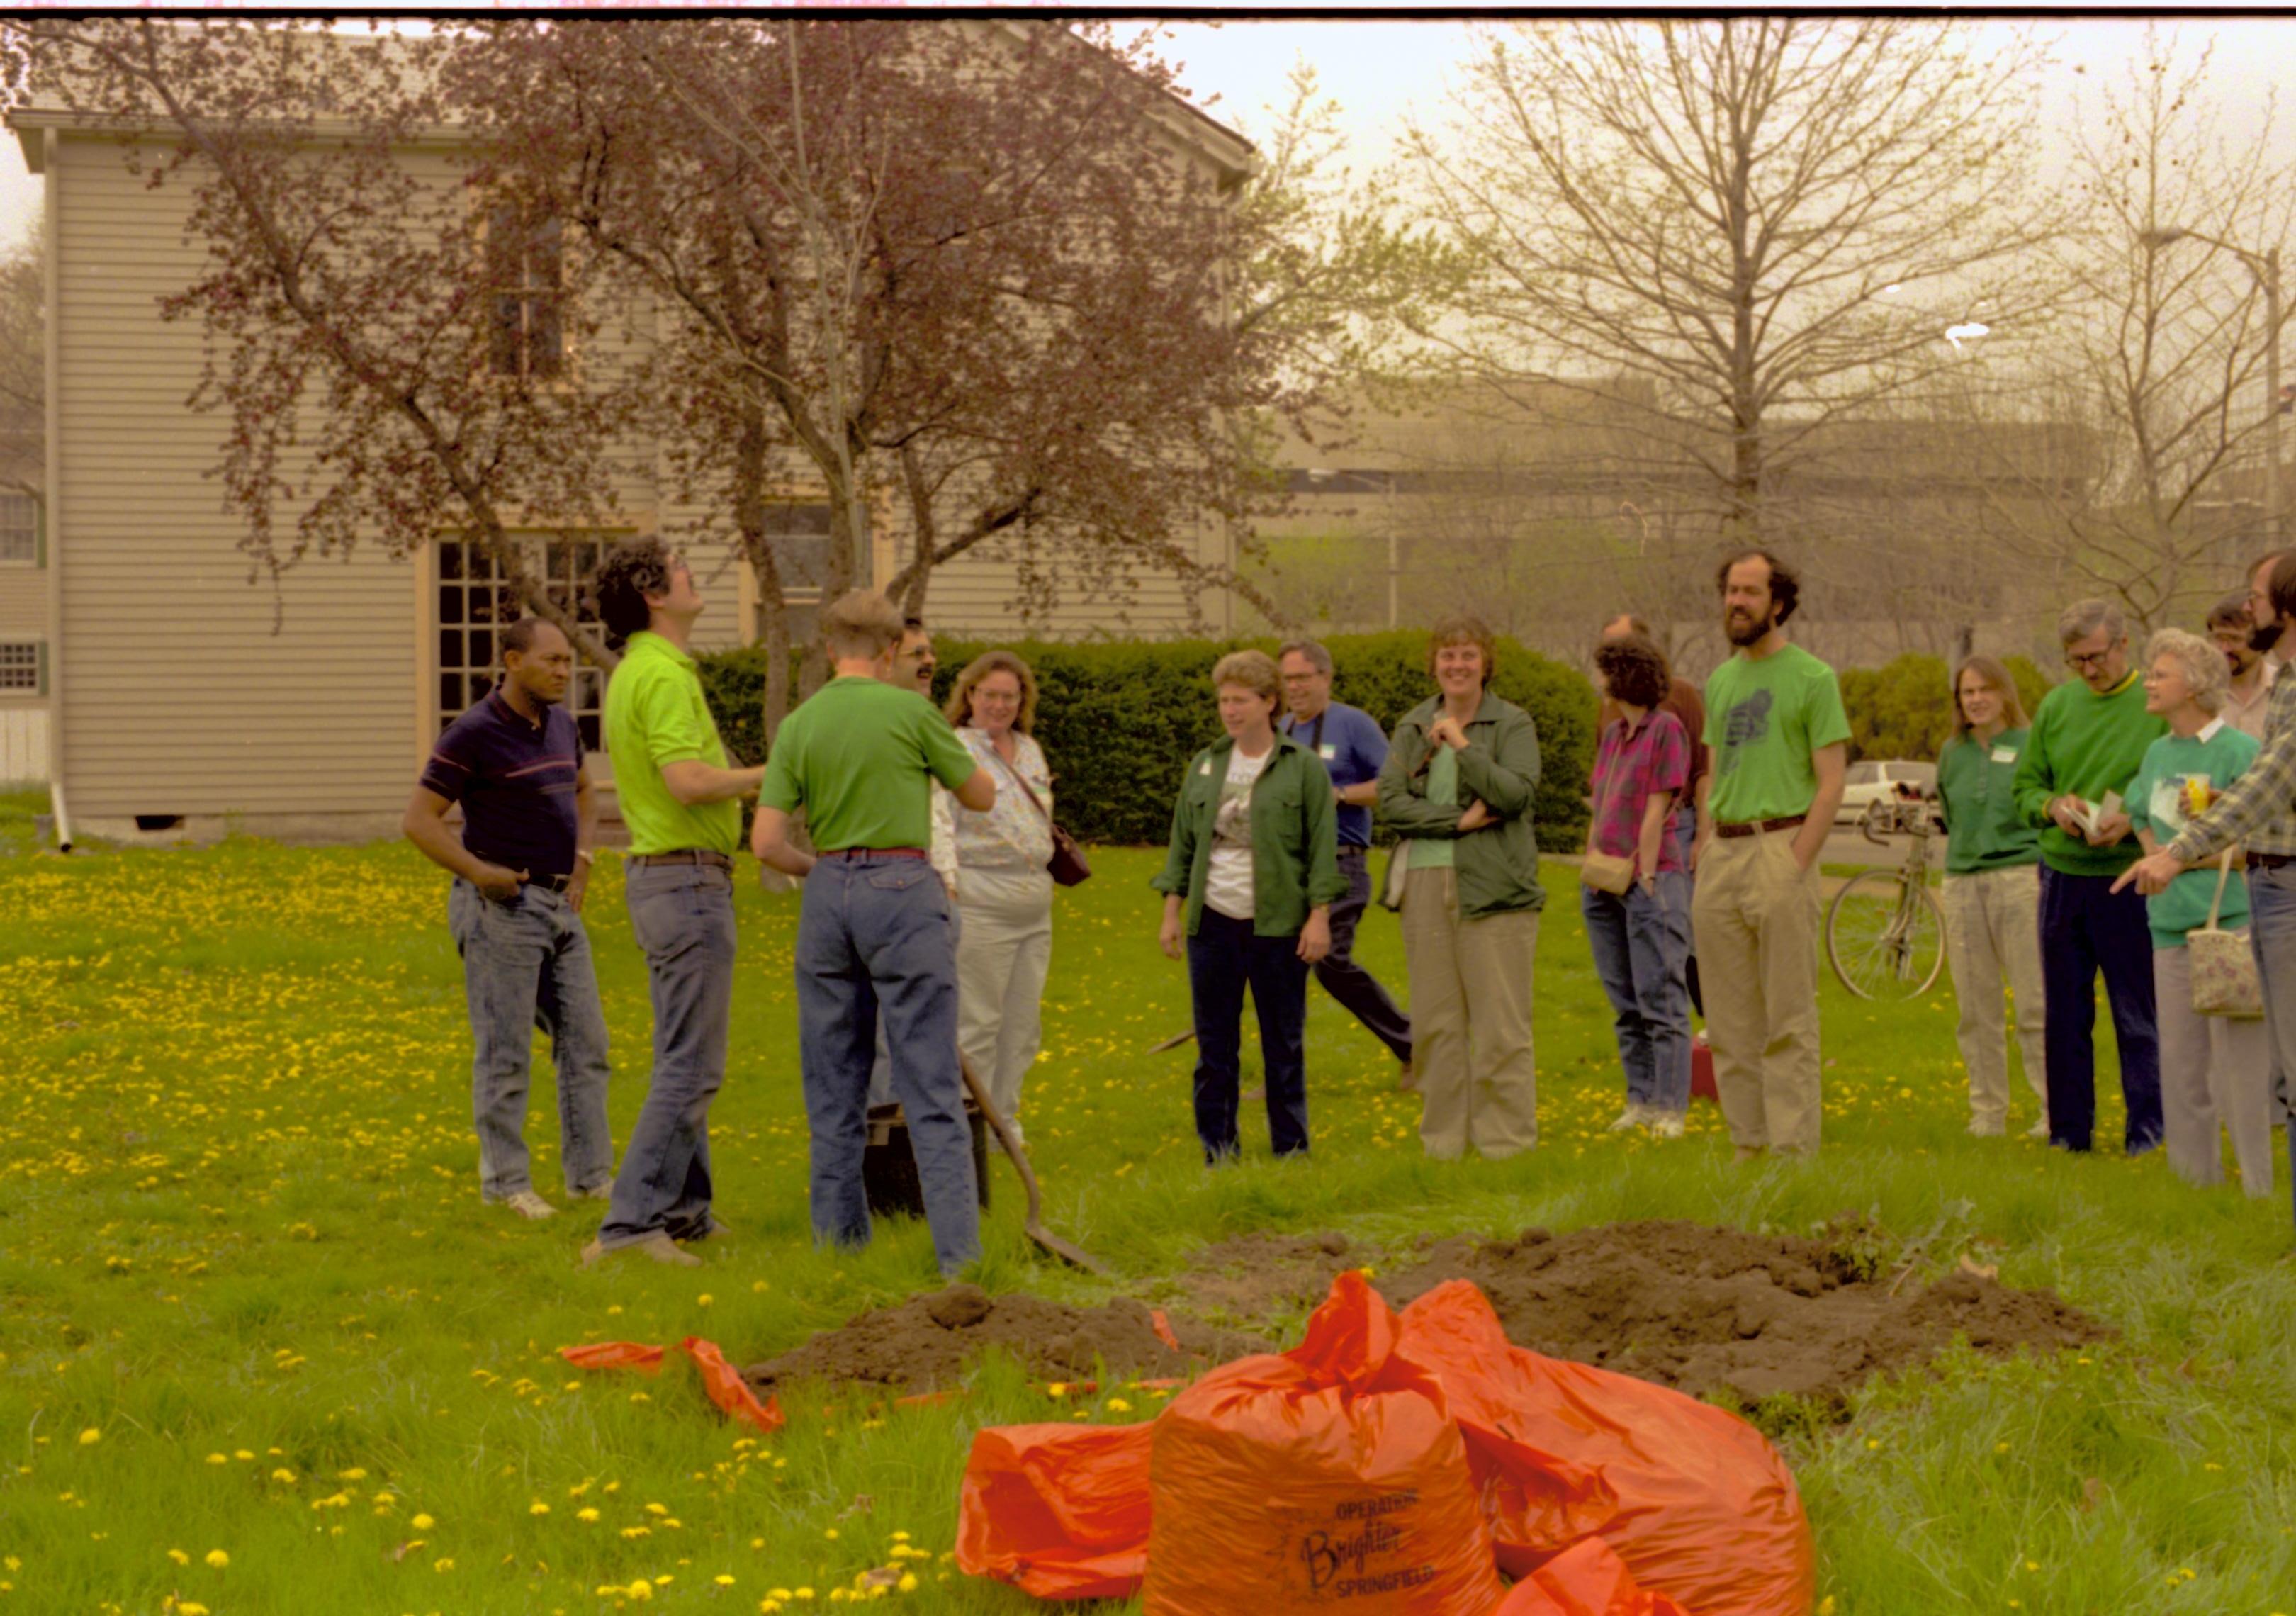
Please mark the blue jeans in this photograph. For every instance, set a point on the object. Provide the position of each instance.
(873, 935)
(683, 918)
(526, 964)
(2272, 932)
(1224, 957)
(2086, 928)
(1641, 946)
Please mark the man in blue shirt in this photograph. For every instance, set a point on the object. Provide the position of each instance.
(514, 762)
(1352, 747)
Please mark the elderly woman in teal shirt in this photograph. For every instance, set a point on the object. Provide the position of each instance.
(1992, 893)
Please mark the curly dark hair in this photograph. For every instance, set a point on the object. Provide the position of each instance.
(1785, 583)
(633, 570)
(1634, 669)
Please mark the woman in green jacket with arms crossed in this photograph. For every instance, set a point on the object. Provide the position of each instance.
(1457, 787)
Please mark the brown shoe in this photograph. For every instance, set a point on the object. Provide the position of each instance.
(653, 1244)
(1406, 1077)
(1749, 1153)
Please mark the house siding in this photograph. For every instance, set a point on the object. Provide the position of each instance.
(180, 697)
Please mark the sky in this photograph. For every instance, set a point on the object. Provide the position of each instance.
(1379, 72)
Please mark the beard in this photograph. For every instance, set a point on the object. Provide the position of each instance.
(2262, 640)
(1745, 630)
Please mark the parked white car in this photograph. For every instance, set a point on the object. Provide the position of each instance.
(1881, 780)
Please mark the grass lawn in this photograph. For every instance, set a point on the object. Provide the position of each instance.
(251, 1306)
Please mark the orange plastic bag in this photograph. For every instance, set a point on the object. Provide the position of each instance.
(614, 1355)
(719, 1378)
(1695, 1501)
(1588, 1579)
(1061, 1511)
(1330, 1476)
(728, 1391)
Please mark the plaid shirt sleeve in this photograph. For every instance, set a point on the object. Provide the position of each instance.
(2260, 807)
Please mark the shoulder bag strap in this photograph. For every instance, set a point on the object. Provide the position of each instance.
(1022, 780)
(2224, 874)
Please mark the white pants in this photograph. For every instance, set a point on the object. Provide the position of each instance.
(1003, 953)
(2213, 1074)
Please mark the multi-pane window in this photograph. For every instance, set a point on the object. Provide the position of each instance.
(476, 601)
(525, 268)
(19, 667)
(799, 532)
(20, 528)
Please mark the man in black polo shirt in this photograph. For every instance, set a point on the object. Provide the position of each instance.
(514, 762)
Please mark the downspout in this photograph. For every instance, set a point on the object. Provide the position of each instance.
(51, 474)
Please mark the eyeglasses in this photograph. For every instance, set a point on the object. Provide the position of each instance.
(2081, 661)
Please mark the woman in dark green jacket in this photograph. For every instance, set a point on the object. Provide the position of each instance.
(1248, 884)
(1457, 786)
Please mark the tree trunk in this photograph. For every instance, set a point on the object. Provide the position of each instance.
(926, 534)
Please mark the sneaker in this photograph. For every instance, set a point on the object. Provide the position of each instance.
(2039, 1130)
(716, 1228)
(654, 1245)
(1634, 1116)
(526, 1204)
(1667, 1125)
(604, 1192)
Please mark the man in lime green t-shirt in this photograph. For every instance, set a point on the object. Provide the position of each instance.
(681, 803)
(1778, 736)
(2088, 740)
(874, 928)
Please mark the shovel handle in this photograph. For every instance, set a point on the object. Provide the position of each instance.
(1004, 1131)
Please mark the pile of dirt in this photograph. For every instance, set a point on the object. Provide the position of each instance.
(925, 1342)
(1709, 1310)
(1258, 1276)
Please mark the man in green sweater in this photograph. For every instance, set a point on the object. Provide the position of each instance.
(2088, 740)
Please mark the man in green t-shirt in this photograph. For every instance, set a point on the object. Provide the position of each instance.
(873, 929)
(1778, 735)
(681, 803)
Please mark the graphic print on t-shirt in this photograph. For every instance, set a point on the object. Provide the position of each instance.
(2175, 800)
(1749, 723)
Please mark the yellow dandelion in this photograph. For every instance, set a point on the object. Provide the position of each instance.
(217, 1558)
(178, 1557)
(423, 1524)
(90, 1436)
(538, 1508)
(723, 1581)
(218, 1458)
(442, 1565)
(640, 1589)
(585, 1515)
(283, 1474)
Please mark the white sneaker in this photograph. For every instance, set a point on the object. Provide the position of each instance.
(1634, 1116)
(1667, 1125)
(526, 1204)
(2039, 1130)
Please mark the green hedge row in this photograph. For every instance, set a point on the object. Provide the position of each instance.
(1904, 709)
(1120, 721)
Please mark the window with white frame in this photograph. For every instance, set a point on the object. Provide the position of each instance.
(475, 601)
(525, 268)
(19, 529)
(20, 668)
(797, 529)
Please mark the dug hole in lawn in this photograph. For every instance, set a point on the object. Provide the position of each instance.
(1397, 1464)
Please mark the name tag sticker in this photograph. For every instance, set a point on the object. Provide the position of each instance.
(1328, 751)
(2004, 754)
(1205, 768)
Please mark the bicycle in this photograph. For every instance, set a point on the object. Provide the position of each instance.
(1884, 932)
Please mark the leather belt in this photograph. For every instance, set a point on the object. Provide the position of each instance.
(693, 856)
(2270, 861)
(874, 853)
(1752, 825)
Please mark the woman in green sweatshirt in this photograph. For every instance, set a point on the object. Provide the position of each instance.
(1457, 787)
(2214, 1068)
(1992, 892)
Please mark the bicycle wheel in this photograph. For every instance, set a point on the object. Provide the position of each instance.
(1884, 936)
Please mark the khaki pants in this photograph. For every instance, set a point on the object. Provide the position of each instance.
(1470, 1021)
(2213, 1074)
(1755, 915)
(1003, 953)
(1993, 930)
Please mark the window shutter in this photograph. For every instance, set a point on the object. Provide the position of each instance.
(40, 552)
(40, 667)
